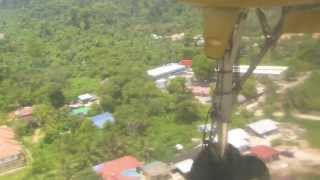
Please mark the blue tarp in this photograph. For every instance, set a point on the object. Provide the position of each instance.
(101, 119)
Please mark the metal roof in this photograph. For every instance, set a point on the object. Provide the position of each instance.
(101, 119)
(166, 70)
(263, 126)
(264, 70)
(80, 111)
(87, 96)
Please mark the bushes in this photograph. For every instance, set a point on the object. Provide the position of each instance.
(306, 96)
(249, 90)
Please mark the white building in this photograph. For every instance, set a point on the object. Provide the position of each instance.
(273, 72)
(239, 138)
(85, 98)
(166, 71)
(184, 166)
(264, 127)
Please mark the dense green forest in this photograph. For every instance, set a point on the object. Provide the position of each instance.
(54, 50)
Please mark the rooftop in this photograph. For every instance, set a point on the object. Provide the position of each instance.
(80, 111)
(165, 70)
(267, 70)
(263, 126)
(100, 120)
(120, 169)
(24, 111)
(87, 96)
(264, 152)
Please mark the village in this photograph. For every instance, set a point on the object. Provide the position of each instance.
(281, 145)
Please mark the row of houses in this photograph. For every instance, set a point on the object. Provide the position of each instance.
(129, 167)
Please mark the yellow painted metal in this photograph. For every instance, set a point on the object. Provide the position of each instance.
(249, 3)
(218, 27)
(302, 21)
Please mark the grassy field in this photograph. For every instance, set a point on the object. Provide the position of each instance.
(18, 175)
(313, 131)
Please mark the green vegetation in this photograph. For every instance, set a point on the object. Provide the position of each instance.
(203, 68)
(54, 51)
(312, 129)
(306, 96)
(249, 90)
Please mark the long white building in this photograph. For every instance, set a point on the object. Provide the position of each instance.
(274, 72)
(166, 71)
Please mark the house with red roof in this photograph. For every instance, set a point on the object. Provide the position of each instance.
(186, 62)
(124, 168)
(265, 153)
(11, 153)
(23, 113)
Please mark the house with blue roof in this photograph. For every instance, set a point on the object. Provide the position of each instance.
(100, 120)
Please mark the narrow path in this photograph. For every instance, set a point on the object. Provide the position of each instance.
(306, 116)
(284, 86)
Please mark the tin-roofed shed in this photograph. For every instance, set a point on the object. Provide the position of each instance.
(100, 120)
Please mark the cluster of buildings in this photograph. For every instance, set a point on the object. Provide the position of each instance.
(162, 75)
(241, 139)
(82, 105)
(129, 167)
(11, 151)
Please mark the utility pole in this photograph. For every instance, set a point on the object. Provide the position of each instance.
(224, 94)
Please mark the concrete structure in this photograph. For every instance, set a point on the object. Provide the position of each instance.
(11, 153)
(264, 127)
(166, 71)
(156, 171)
(273, 72)
(265, 153)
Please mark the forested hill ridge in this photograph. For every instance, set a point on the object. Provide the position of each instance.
(50, 43)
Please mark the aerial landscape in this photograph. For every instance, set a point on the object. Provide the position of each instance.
(128, 89)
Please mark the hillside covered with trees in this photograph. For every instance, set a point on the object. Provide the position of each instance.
(54, 50)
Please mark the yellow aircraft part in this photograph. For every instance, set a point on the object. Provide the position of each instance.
(220, 17)
(218, 28)
(249, 3)
(302, 21)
